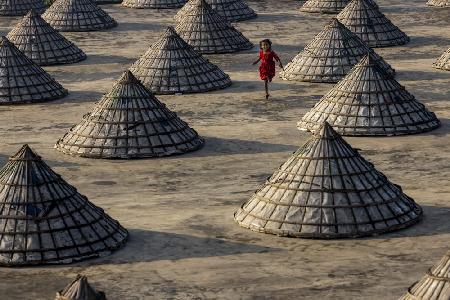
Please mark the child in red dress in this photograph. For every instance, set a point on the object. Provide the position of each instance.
(267, 67)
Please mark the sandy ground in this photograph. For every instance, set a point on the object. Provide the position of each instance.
(179, 211)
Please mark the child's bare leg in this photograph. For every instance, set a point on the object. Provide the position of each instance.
(266, 86)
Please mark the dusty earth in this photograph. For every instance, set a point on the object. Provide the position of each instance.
(179, 211)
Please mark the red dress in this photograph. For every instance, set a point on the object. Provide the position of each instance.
(267, 67)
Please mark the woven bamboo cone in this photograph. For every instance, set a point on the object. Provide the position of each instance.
(207, 32)
(129, 122)
(20, 7)
(154, 4)
(439, 3)
(46, 221)
(78, 15)
(324, 6)
(42, 44)
(22, 81)
(327, 190)
(370, 25)
(368, 101)
(443, 62)
(435, 285)
(171, 66)
(80, 289)
(232, 10)
(330, 56)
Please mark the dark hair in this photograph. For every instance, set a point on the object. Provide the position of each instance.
(265, 41)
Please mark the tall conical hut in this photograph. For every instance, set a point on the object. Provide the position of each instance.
(44, 219)
(435, 285)
(80, 289)
(370, 25)
(324, 6)
(368, 101)
(129, 122)
(330, 56)
(78, 15)
(232, 10)
(207, 32)
(443, 62)
(22, 81)
(43, 44)
(439, 3)
(20, 7)
(327, 190)
(154, 4)
(171, 66)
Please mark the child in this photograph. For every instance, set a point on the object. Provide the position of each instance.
(267, 67)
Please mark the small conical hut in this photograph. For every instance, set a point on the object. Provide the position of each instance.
(22, 81)
(20, 7)
(370, 25)
(171, 66)
(45, 220)
(439, 3)
(328, 190)
(77, 15)
(154, 4)
(324, 6)
(43, 44)
(232, 10)
(443, 62)
(435, 285)
(207, 32)
(368, 101)
(80, 289)
(330, 56)
(129, 122)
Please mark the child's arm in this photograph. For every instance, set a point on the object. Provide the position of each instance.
(278, 60)
(257, 61)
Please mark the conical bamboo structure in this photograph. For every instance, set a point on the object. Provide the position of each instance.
(77, 15)
(80, 289)
(370, 25)
(368, 101)
(443, 62)
(43, 44)
(439, 3)
(129, 122)
(328, 190)
(207, 32)
(171, 66)
(154, 4)
(330, 56)
(232, 10)
(22, 81)
(44, 220)
(435, 285)
(20, 7)
(324, 6)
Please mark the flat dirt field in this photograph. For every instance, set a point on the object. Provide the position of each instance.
(183, 241)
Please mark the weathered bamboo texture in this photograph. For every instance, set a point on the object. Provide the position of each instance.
(80, 289)
(207, 32)
(77, 15)
(371, 25)
(330, 56)
(328, 190)
(44, 220)
(154, 4)
(171, 66)
(435, 285)
(42, 44)
(324, 6)
(443, 62)
(129, 122)
(22, 81)
(369, 102)
(439, 3)
(20, 7)
(232, 10)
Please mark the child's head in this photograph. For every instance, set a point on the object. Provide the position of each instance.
(265, 45)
